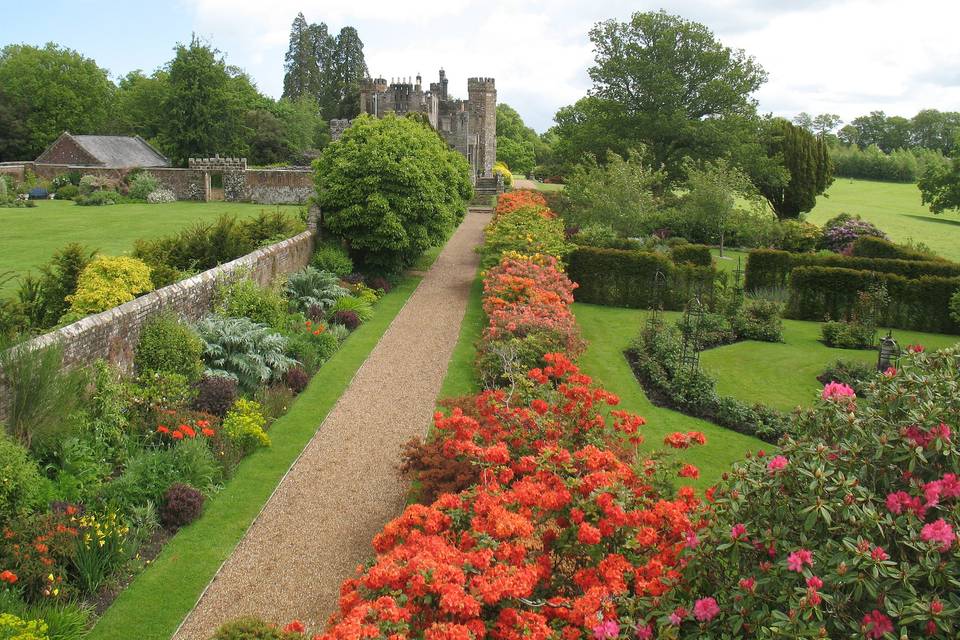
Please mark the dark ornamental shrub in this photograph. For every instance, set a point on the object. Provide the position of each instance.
(182, 504)
(215, 395)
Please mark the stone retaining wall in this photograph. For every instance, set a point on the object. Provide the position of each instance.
(113, 334)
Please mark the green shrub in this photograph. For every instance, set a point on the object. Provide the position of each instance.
(597, 234)
(655, 357)
(759, 320)
(955, 307)
(149, 473)
(362, 308)
(621, 278)
(64, 620)
(167, 344)
(67, 192)
(393, 188)
(22, 487)
(312, 350)
(244, 426)
(142, 185)
(853, 373)
(505, 363)
(697, 254)
(526, 231)
(921, 304)
(770, 268)
(15, 628)
(243, 350)
(333, 258)
(250, 628)
(313, 292)
(871, 247)
(848, 335)
(798, 236)
(269, 227)
(45, 299)
(109, 281)
(100, 198)
(243, 298)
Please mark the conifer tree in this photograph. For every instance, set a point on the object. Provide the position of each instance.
(806, 158)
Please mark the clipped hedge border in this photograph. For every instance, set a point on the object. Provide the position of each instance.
(698, 254)
(916, 303)
(772, 268)
(871, 247)
(620, 278)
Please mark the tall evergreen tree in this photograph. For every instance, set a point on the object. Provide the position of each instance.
(351, 68)
(300, 63)
(806, 158)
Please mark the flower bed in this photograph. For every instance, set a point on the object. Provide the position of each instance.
(146, 450)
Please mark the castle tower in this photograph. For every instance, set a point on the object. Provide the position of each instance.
(482, 99)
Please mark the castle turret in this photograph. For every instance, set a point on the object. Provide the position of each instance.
(482, 94)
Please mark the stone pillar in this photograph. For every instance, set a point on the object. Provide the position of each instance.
(483, 121)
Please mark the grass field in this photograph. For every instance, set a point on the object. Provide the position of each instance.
(30, 236)
(896, 209)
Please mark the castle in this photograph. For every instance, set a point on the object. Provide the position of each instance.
(469, 126)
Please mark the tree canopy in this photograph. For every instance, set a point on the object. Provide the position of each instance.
(45, 91)
(807, 162)
(391, 188)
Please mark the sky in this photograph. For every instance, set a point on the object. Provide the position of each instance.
(847, 57)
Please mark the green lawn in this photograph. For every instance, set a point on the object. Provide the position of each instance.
(461, 378)
(609, 331)
(160, 597)
(784, 375)
(30, 236)
(896, 209)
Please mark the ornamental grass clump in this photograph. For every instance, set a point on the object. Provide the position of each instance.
(850, 531)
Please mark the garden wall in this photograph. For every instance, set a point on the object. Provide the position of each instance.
(113, 334)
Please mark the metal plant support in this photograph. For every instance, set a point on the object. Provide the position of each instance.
(692, 328)
(655, 317)
(888, 353)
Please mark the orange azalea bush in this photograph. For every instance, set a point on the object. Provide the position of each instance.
(527, 302)
(559, 538)
(513, 200)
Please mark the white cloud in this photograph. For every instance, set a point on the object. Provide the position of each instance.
(847, 57)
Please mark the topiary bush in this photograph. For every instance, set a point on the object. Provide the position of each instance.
(182, 504)
(168, 345)
(392, 188)
(108, 281)
(215, 395)
(241, 349)
(333, 258)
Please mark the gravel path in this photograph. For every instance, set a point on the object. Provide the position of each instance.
(317, 527)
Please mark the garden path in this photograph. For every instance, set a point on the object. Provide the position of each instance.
(317, 527)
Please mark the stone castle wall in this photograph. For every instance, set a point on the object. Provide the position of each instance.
(113, 334)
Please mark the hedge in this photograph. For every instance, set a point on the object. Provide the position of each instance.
(619, 278)
(698, 254)
(916, 303)
(871, 247)
(771, 268)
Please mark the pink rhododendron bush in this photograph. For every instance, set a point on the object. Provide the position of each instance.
(849, 532)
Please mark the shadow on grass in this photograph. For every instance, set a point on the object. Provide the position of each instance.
(929, 219)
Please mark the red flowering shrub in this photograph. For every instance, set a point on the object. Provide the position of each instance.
(558, 539)
(38, 550)
(513, 200)
(849, 532)
(182, 504)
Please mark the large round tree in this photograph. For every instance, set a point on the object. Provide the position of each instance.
(391, 189)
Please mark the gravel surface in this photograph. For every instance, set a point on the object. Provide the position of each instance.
(318, 525)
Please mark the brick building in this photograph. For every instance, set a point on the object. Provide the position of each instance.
(105, 152)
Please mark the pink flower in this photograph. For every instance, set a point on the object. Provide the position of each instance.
(677, 616)
(776, 464)
(890, 372)
(692, 540)
(837, 390)
(814, 582)
(799, 558)
(705, 609)
(876, 623)
(747, 584)
(939, 531)
(738, 530)
(879, 554)
(606, 630)
(645, 632)
(915, 348)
